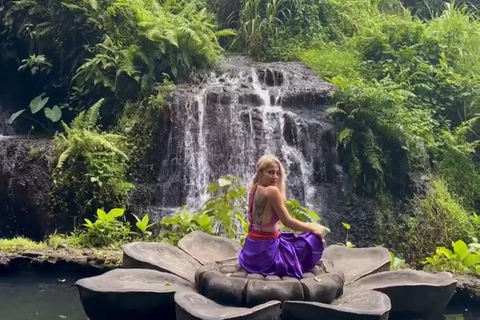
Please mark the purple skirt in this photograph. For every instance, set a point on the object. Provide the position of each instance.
(288, 255)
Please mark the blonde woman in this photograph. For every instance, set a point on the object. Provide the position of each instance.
(267, 250)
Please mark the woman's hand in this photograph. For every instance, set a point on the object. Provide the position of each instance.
(319, 230)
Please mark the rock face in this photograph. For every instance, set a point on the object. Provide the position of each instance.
(223, 122)
(126, 294)
(25, 183)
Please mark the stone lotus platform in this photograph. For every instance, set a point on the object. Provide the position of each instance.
(201, 279)
(126, 294)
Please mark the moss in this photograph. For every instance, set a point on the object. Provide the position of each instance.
(20, 244)
(439, 221)
(64, 247)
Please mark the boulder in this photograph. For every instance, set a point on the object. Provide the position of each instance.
(160, 256)
(193, 306)
(125, 294)
(206, 248)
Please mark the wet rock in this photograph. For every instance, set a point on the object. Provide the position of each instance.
(355, 263)
(353, 305)
(25, 183)
(323, 288)
(468, 288)
(205, 248)
(125, 294)
(160, 256)
(193, 306)
(411, 292)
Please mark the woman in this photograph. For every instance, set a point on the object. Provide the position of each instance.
(267, 250)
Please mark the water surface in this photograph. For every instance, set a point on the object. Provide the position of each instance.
(49, 296)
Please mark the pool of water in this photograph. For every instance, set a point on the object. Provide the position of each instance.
(40, 296)
(48, 296)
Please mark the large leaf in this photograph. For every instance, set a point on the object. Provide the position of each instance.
(460, 248)
(38, 103)
(53, 114)
(15, 116)
(115, 213)
(471, 259)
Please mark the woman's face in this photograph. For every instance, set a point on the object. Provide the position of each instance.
(271, 175)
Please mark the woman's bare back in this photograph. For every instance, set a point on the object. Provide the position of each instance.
(262, 211)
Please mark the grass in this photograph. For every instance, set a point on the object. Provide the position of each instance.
(59, 246)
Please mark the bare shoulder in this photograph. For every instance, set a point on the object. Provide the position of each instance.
(271, 191)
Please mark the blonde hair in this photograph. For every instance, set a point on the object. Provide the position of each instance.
(263, 163)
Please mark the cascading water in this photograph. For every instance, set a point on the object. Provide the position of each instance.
(234, 117)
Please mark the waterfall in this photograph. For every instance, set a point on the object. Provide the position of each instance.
(236, 116)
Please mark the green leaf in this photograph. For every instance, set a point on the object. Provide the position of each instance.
(446, 252)
(53, 114)
(115, 213)
(101, 215)
(223, 182)
(346, 225)
(471, 259)
(15, 116)
(461, 249)
(38, 103)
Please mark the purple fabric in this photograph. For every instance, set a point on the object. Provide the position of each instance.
(288, 255)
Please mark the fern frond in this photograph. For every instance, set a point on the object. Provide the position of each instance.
(345, 136)
(92, 115)
(64, 156)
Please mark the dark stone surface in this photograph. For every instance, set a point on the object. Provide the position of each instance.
(126, 294)
(355, 263)
(160, 256)
(25, 183)
(193, 306)
(468, 289)
(411, 292)
(261, 291)
(323, 288)
(229, 291)
(205, 248)
(364, 305)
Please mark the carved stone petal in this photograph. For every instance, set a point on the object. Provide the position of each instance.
(160, 256)
(355, 263)
(193, 306)
(130, 294)
(207, 248)
(412, 292)
(352, 305)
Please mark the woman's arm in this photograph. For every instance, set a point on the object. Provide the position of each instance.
(276, 201)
